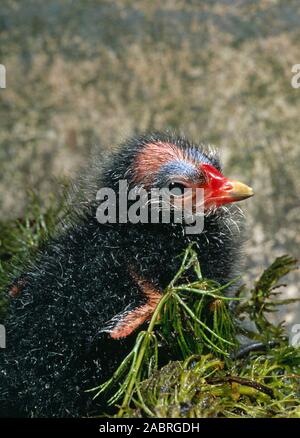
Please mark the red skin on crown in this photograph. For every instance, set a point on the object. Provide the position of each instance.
(152, 157)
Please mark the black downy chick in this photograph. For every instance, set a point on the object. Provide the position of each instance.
(58, 341)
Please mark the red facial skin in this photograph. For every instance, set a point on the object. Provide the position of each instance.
(219, 190)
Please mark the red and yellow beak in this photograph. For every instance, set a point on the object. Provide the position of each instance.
(220, 190)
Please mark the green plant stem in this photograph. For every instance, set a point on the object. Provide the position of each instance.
(136, 369)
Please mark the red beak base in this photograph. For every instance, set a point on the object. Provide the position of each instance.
(219, 190)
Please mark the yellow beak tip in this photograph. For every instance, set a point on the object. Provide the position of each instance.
(241, 191)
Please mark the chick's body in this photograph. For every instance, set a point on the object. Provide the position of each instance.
(56, 348)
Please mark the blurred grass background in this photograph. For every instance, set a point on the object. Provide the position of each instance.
(86, 74)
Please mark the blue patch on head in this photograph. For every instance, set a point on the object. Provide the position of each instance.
(195, 155)
(188, 168)
(180, 168)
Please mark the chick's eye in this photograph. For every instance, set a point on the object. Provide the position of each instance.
(176, 188)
